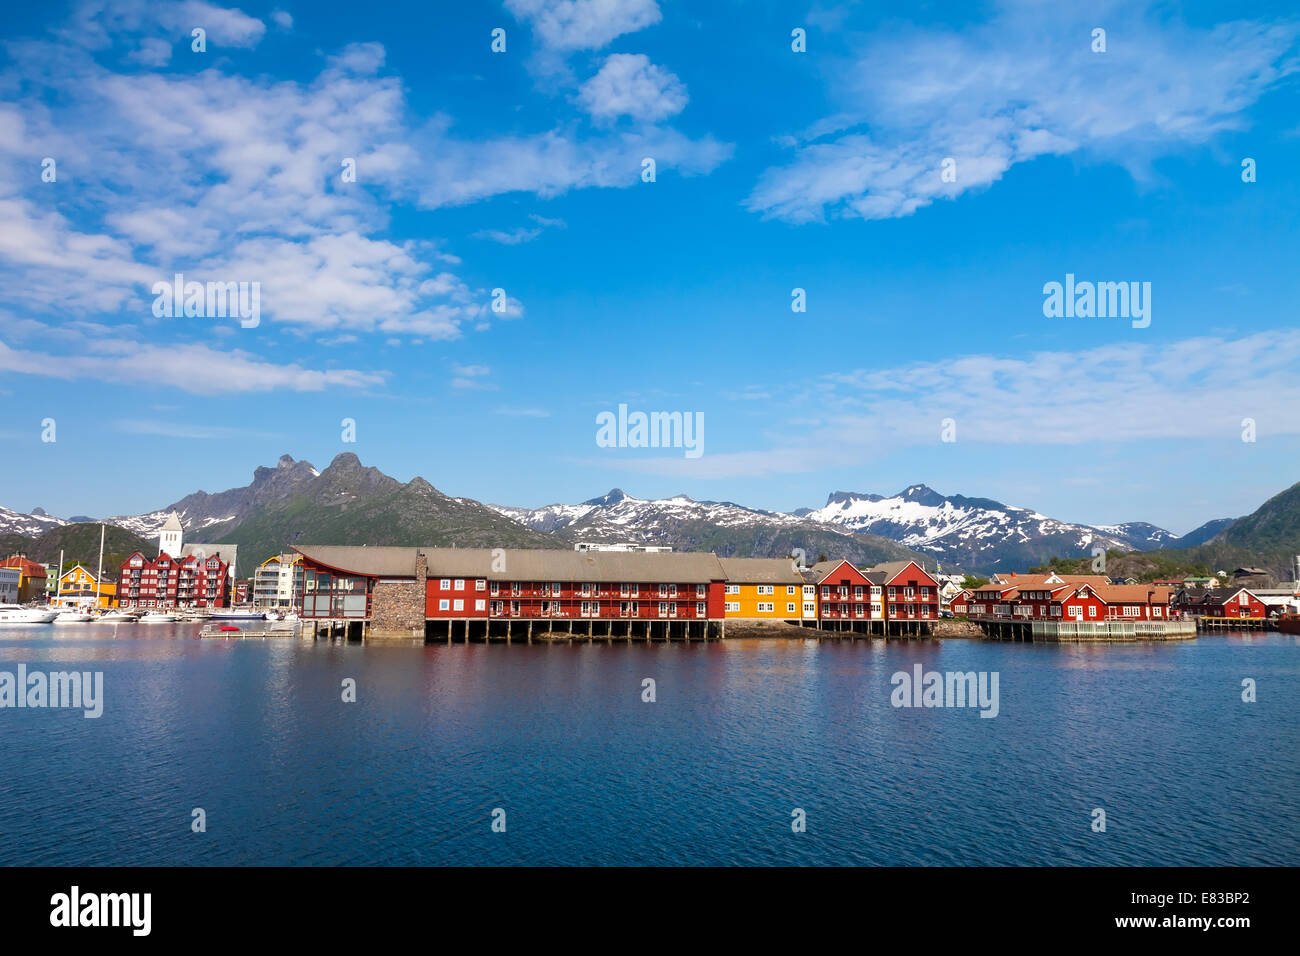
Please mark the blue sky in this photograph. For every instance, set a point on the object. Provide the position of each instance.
(775, 170)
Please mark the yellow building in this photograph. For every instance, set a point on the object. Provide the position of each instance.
(767, 589)
(77, 588)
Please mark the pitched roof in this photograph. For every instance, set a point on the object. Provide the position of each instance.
(891, 569)
(761, 571)
(173, 523)
(513, 564)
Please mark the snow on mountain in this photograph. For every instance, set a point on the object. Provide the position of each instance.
(685, 524)
(979, 533)
(28, 525)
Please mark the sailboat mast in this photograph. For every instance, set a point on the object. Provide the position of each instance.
(99, 575)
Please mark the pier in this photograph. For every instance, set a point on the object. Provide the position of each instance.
(1236, 623)
(1009, 629)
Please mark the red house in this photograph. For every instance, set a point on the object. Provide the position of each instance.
(1221, 602)
(911, 594)
(846, 594)
(167, 582)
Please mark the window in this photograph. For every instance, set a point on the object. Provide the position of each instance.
(826, 592)
(701, 610)
(765, 607)
(700, 590)
(496, 608)
(494, 589)
(444, 584)
(514, 607)
(479, 604)
(732, 589)
(893, 592)
(765, 589)
(444, 604)
(810, 608)
(586, 591)
(857, 592)
(460, 584)
(789, 609)
(480, 584)
(1092, 612)
(663, 608)
(733, 607)
(789, 590)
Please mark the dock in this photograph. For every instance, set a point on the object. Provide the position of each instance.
(1009, 629)
(1236, 623)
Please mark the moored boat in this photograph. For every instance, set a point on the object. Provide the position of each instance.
(1289, 624)
(13, 614)
(158, 617)
(235, 614)
(114, 616)
(73, 617)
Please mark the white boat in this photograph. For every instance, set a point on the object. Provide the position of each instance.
(117, 616)
(235, 614)
(17, 614)
(73, 617)
(158, 617)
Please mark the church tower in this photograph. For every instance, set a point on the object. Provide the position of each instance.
(169, 539)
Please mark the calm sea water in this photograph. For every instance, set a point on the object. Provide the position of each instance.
(742, 733)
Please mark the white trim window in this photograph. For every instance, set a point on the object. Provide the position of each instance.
(732, 589)
(732, 607)
(460, 584)
(444, 584)
(480, 584)
(444, 605)
(790, 608)
(766, 607)
(458, 604)
(479, 604)
(764, 589)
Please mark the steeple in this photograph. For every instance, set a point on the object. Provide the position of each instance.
(169, 539)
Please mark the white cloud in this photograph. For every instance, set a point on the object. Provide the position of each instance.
(1023, 85)
(628, 84)
(1193, 390)
(198, 369)
(567, 25)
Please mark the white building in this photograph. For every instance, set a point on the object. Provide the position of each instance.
(169, 538)
(171, 541)
(10, 579)
(277, 582)
(623, 546)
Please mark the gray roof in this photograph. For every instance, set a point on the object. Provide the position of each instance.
(761, 571)
(226, 552)
(511, 564)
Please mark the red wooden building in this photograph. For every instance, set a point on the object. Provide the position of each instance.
(911, 594)
(405, 588)
(167, 582)
(846, 594)
(1220, 602)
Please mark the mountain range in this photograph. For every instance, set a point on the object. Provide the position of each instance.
(349, 503)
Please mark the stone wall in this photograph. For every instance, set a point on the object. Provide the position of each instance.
(397, 607)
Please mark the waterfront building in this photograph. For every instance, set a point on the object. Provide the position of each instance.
(485, 592)
(277, 581)
(844, 593)
(31, 577)
(767, 589)
(194, 581)
(911, 592)
(622, 546)
(1220, 602)
(79, 587)
(10, 580)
